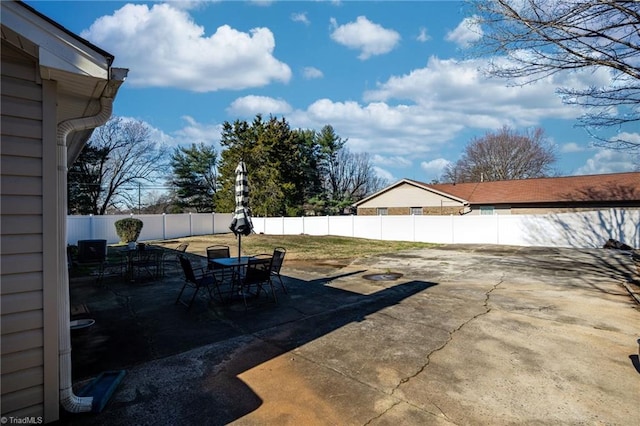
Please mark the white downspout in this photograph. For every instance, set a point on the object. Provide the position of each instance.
(69, 401)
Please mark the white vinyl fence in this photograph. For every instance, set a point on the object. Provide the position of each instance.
(579, 230)
(155, 226)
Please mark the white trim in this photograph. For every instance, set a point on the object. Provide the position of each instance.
(50, 253)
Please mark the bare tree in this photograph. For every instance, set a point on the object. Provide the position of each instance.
(126, 157)
(350, 177)
(544, 37)
(503, 155)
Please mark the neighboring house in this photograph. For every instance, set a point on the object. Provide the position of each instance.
(526, 196)
(56, 88)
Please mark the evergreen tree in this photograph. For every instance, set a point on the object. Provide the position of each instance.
(195, 177)
(292, 172)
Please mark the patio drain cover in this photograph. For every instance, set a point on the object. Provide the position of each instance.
(391, 276)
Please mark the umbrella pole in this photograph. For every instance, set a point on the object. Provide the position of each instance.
(239, 244)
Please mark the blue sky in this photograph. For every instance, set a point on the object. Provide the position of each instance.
(393, 78)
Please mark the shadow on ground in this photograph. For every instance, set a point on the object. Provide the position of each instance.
(139, 322)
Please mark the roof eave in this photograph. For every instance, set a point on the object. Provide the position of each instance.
(59, 49)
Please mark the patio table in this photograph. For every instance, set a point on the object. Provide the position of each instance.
(147, 259)
(235, 264)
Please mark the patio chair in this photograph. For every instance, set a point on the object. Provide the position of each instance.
(276, 265)
(171, 256)
(256, 277)
(91, 253)
(196, 280)
(147, 262)
(217, 252)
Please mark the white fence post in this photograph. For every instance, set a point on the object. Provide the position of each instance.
(353, 226)
(164, 226)
(413, 227)
(453, 229)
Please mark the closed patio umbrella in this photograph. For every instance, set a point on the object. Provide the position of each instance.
(241, 223)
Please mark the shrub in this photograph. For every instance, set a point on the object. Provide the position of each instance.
(128, 229)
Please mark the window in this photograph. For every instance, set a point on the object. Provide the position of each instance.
(382, 211)
(488, 210)
(416, 210)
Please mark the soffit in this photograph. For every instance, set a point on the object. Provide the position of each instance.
(80, 69)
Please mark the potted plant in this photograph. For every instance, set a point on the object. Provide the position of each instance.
(128, 230)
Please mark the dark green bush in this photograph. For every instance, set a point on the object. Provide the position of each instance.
(128, 229)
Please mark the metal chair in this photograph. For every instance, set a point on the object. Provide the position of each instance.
(276, 265)
(91, 253)
(257, 275)
(171, 256)
(147, 262)
(217, 252)
(196, 281)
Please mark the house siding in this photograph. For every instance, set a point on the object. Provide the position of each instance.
(403, 211)
(406, 195)
(400, 200)
(22, 298)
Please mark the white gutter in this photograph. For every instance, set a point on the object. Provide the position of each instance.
(69, 401)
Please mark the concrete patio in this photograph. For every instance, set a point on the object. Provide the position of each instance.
(471, 335)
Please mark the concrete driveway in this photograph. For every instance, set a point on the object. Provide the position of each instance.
(469, 335)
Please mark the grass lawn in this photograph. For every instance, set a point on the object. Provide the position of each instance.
(299, 247)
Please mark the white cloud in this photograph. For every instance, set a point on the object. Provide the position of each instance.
(311, 73)
(423, 36)
(300, 17)
(370, 38)
(608, 161)
(394, 132)
(164, 47)
(194, 132)
(251, 105)
(571, 147)
(633, 138)
(384, 174)
(458, 89)
(262, 2)
(414, 116)
(467, 32)
(391, 161)
(188, 4)
(434, 168)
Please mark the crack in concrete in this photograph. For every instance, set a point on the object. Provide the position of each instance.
(256, 335)
(368, 422)
(451, 335)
